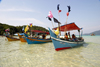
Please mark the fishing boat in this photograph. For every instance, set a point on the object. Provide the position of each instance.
(60, 44)
(36, 40)
(92, 34)
(67, 42)
(12, 38)
(22, 38)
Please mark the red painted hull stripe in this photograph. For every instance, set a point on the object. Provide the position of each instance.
(62, 48)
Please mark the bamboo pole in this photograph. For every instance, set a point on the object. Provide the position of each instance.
(59, 23)
(52, 24)
(31, 31)
(66, 23)
(66, 20)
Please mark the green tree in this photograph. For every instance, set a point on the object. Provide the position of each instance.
(18, 29)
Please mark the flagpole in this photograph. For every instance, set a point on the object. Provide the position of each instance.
(66, 20)
(31, 32)
(66, 23)
(59, 23)
(49, 17)
(67, 15)
(59, 16)
(52, 24)
(31, 29)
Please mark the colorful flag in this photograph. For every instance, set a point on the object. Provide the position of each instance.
(31, 25)
(59, 11)
(67, 14)
(26, 28)
(55, 20)
(50, 15)
(7, 30)
(23, 28)
(49, 18)
(57, 31)
(69, 8)
(58, 7)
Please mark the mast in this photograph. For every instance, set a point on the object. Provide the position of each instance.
(59, 18)
(67, 15)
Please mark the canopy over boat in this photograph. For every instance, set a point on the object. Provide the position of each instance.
(16, 34)
(68, 27)
(38, 31)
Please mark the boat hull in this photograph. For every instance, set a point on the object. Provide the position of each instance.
(35, 40)
(63, 44)
(12, 39)
(22, 39)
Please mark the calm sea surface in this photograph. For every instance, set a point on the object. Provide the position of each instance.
(18, 54)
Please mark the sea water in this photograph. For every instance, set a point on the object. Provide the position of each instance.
(21, 54)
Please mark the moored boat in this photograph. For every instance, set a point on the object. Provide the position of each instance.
(92, 34)
(22, 38)
(60, 44)
(12, 38)
(67, 41)
(36, 40)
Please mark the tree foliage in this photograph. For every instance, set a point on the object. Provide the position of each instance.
(17, 29)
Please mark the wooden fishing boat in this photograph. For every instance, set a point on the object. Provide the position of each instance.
(60, 44)
(92, 34)
(12, 38)
(22, 38)
(33, 40)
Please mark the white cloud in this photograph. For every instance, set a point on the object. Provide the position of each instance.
(21, 21)
(18, 9)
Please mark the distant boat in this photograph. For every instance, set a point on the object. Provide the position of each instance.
(92, 34)
(60, 44)
(33, 40)
(22, 38)
(12, 38)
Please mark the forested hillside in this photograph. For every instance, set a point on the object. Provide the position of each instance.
(17, 29)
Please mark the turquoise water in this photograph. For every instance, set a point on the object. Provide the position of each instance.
(18, 54)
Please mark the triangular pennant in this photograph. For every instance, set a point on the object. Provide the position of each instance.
(58, 7)
(69, 8)
(55, 20)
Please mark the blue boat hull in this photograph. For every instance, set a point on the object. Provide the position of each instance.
(35, 40)
(63, 44)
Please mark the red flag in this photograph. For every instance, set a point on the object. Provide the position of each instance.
(67, 13)
(31, 25)
(59, 11)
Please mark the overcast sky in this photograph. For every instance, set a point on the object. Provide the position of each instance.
(85, 13)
